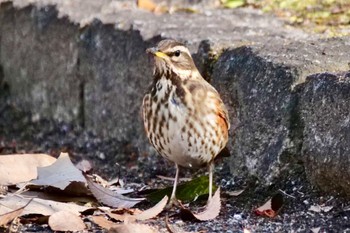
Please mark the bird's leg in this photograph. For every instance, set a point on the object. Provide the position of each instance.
(173, 199)
(211, 169)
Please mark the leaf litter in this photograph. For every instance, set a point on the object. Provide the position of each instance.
(37, 206)
(19, 168)
(211, 211)
(295, 213)
(272, 207)
(110, 198)
(10, 216)
(61, 174)
(66, 221)
(62, 208)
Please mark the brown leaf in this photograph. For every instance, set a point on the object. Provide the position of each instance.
(19, 168)
(132, 228)
(148, 5)
(37, 206)
(103, 222)
(10, 216)
(211, 211)
(61, 174)
(271, 207)
(152, 212)
(66, 221)
(110, 198)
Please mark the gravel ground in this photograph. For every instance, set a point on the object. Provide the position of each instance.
(18, 133)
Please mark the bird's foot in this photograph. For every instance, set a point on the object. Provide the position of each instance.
(173, 203)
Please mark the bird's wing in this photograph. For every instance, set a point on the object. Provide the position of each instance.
(205, 94)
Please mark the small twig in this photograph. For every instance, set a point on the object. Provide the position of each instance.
(329, 200)
(301, 193)
(286, 193)
(172, 179)
(22, 189)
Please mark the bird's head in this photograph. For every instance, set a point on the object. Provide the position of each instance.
(173, 55)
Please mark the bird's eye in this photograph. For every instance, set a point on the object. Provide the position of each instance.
(177, 53)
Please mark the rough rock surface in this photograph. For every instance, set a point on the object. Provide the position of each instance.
(325, 115)
(39, 61)
(259, 81)
(84, 62)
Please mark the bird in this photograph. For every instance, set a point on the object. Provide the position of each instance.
(184, 116)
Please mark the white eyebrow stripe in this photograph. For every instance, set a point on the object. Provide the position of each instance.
(181, 48)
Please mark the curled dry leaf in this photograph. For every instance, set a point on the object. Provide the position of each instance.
(37, 206)
(61, 174)
(172, 228)
(271, 207)
(133, 228)
(154, 211)
(10, 216)
(211, 211)
(19, 168)
(143, 215)
(110, 198)
(66, 221)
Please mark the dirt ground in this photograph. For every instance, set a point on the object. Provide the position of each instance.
(18, 134)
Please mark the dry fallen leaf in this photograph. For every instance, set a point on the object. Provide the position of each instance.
(124, 215)
(110, 198)
(235, 193)
(19, 168)
(271, 207)
(319, 208)
(57, 196)
(84, 165)
(154, 211)
(61, 174)
(103, 222)
(172, 228)
(10, 216)
(211, 211)
(132, 228)
(148, 5)
(315, 230)
(143, 215)
(66, 221)
(37, 206)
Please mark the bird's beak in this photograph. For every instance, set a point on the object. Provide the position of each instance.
(156, 53)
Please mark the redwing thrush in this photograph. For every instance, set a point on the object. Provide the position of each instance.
(184, 116)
